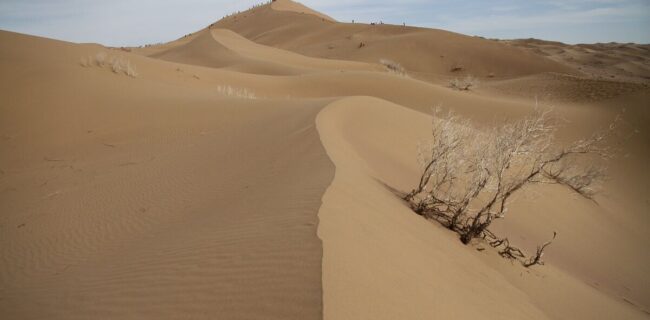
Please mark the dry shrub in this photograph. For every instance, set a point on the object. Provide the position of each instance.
(119, 64)
(100, 59)
(122, 65)
(465, 84)
(236, 92)
(469, 176)
(393, 67)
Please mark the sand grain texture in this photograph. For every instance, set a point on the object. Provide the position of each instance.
(135, 198)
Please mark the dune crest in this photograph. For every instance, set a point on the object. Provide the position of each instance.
(377, 253)
(292, 6)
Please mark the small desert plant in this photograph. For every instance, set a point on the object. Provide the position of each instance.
(236, 92)
(469, 176)
(393, 67)
(100, 59)
(121, 65)
(117, 64)
(464, 84)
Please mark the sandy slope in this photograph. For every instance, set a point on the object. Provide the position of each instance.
(152, 197)
(619, 61)
(163, 196)
(426, 53)
(220, 48)
(561, 88)
(297, 7)
(378, 255)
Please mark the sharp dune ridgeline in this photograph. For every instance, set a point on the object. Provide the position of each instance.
(255, 169)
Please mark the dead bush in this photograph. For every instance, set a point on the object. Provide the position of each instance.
(469, 175)
(393, 67)
(117, 64)
(465, 84)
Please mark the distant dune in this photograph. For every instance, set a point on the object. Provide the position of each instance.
(612, 61)
(251, 170)
(427, 53)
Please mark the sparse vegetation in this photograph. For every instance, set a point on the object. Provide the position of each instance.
(469, 176)
(393, 67)
(236, 92)
(100, 59)
(465, 84)
(149, 45)
(255, 6)
(456, 67)
(118, 65)
(122, 65)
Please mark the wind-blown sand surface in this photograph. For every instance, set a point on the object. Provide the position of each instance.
(622, 61)
(252, 169)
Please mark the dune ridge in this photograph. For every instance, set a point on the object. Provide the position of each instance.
(139, 205)
(427, 53)
(627, 62)
(292, 6)
(383, 255)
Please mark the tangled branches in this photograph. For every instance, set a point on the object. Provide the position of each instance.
(469, 176)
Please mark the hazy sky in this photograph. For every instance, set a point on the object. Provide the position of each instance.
(133, 22)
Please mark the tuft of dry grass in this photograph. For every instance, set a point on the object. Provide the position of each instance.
(100, 59)
(122, 65)
(464, 84)
(393, 67)
(118, 65)
(236, 92)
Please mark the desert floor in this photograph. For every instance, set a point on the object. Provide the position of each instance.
(251, 170)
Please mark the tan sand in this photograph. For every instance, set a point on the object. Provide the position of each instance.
(424, 53)
(152, 197)
(221, 48)
(250, 171)
(614, 61)
(383, 262)
(292, 6)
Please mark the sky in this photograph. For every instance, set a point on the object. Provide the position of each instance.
(139, 22)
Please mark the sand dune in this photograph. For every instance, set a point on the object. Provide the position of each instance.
(131, 198)
(562, 88)
(219, 48)
(621, 61)
(427, 53)
(288, 5)
(384, 253)
(250, 170)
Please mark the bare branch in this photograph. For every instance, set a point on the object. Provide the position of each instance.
(537, 259)
(469, 176)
